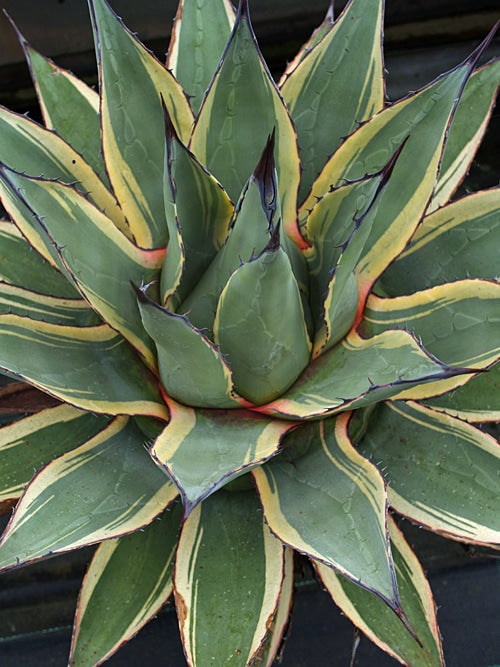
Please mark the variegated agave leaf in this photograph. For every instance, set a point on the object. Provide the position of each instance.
(251, 304)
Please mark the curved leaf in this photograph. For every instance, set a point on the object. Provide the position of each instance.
(31, 149)
(466, 131)
(199, 36)
(270, 649)
(260, 326)
(92, 368)
(420, 123)
(478, 400)
(132, 84)
(356, 373)
(30, 443)
(444, 477)
(21, 265)
(105, 488)
(225, 444)
(228, 577)
(462, 234)
(228, 135)
(334, 220)
(457, 322)
(19, 301)
(379, 622)
(135, 573)
(100, 259)
(331, 505)
(77, 120)
(329, 92)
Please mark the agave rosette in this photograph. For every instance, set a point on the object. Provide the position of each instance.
(266, 286)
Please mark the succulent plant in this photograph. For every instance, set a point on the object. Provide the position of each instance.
(262, 323)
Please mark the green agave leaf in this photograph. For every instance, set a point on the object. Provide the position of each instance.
(338, 229)
(356, 373)
(278, 626)
(30, 443)
(73, 312)
(199, 36)
(198, 215)
(420, 123)
(255, 217)
(456, 322)
(466, 131)
(477, 401)
(105, 488)
(100, 259)
(28, 225)
(461, 234)
(317, 35)
(224, 443)
(227, 582)
(31, 149)
(260, 326)
(379, 622)
(329, 92)
(332, 223)
(134, 574)
(228, 134)
(191, 367)
(445, 475)
(77, 120)
(132, 84)
(92, 368)
(331, 504)
(21, 265)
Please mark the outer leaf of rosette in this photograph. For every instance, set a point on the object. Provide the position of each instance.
(90, 367)
(422, 120)
(135, 571)
(30, 149)
(77, 120)
(198, 212)
(240, 110)
(21, 265)
(331, 90)
(457, 322)
(192, 369)
(317, 35)
(255, 216)
(260, 325)
(229, 561)
(464, 235)
(466, 131)
(132, 84)
(99, 258)
(420, 648)
(331, 504)
(445, 477)
(30, 443)
(476, 401)
(199, 36)
(72, 312)
(105, 488)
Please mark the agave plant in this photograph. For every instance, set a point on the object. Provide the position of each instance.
(262, 324)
